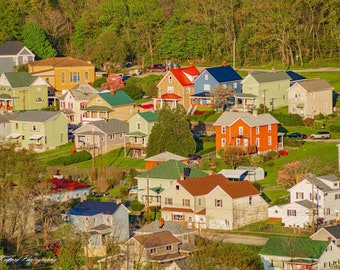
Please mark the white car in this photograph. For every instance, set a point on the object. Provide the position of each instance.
(133, 190)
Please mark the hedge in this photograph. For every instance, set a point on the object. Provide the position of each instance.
(71, 159)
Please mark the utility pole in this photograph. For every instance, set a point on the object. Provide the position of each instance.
(264, 99)
(147, 198)
(94, 159)
(313, 221)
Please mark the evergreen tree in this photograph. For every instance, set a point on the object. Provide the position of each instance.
(36, 40)
(171, 133)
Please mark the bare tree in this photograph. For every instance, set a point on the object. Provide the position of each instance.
(232, 154)
(222, 96)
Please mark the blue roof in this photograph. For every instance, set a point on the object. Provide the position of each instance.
(224, 74)
(202, 94)
(90, 208)
(294, 76)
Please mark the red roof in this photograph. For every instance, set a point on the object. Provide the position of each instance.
(185, 75)
(170, 96)
(62, 184)
(203, 185)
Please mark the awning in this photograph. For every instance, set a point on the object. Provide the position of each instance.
(13, 136)
(36, 137)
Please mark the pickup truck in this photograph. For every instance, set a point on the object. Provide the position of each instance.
(157, 68)
(320, 135)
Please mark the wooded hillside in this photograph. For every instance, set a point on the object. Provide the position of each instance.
(244, 32)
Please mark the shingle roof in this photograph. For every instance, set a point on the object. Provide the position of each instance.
(90, 208)
(320, 184)
(228, 118)
(224, 74)
(35, 116)
(67, 184)
(171, 169)
(295, 76)
(305, 203)
(262, 76)
(6, 117)
(165, 156)
(82, 91)
(157, 239)
(333, 230)
(183, 75)
(170, 226)
(303, 247)
(313, 85)
(11, 48)
(111, 126)
(19, 79)
(117, 99)
(61, 62)
(203, 185)
(149, 116)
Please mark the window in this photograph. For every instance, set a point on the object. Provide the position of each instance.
(240, 130)
(47, 80)
(223, 142)
(206, 77)
(169, 247)
(257, 130)
(206, 87)
(24, 60)
(98, 100)
(223, 129)
(186, 202)
(269, 140)
(16, 125)
(177, 217)
(61, 137)
(337, 196)
(235, 85)
(143, 141)
(250, 200)
(269, 128)
(291, 212)
(328, 211)
(177, 187)
(153, 250)
(62, 77)
(74, 77)
(34, 127)
(257, 142)
(218, 203)
(170, 89)
(299, 195)
(238, 141)
(170, 79)
(112, 136)
(199, 201)
(138, 126)
(250, 88)
(168, 201)
(86, 76)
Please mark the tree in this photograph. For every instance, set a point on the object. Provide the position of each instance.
(171, 133)
(133, 91)
(222, 97)
(232, 154)
(36, 40)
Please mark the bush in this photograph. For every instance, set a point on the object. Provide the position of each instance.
(288, 119)
(270, 163)
(293, 142)
(334, 128)
(136, 205)
(308, 122)
(71, 159)
(272, 155)
(133, 91)
(256, 160)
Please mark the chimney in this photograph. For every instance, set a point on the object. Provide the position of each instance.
(186, 171)
(224, 64)
(161, 222)
(181, 177)
(255, 112)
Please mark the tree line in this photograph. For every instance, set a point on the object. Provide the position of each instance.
(244, 32)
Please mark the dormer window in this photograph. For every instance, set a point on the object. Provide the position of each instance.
(170, 79)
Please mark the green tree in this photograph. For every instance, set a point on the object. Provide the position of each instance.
(171, 133)
(36, 40)
(133, 91)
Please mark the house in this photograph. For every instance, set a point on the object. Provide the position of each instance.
(140, 126)
(5, 124)
(159, 247)
(100, 137)
(63, 72)
(269, 87)
(154, 161)
(294, 77)
(152, 182)
(176, 87)
(14, 54)
(314, 194)
(328, 233)
(299, 253)
(72, 101)
(39, 130)
(210, 78)
(20, 91)
(275, 213)
(255, 133)
(237, 175)
(253, 173)
(105, 222)
(310, 98)
(213, 202)
(109, 104)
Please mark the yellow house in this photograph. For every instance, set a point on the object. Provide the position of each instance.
(63, 72)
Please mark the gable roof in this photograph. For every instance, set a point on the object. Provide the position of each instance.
(295, 76)
(333, 230)
(165, 156)
(171, 169)
(305, 203)
(82, 91)
(321, 185)
(183, 75)
(111, 126)
(314, 85)
(303, 247)
(156, 239)
(224, 74)
(203, 185)
(119, 98)
(263, 76)
(90, 208)
(20, 79)
(61, 62)
(36, 116)
(228, 118)
(11, 47)
(171, 226)
(149, 116)
(6, 117)
(60, 184)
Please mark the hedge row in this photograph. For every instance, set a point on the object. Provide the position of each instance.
(71, 159)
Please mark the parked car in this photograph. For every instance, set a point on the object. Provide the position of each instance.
(157, 68)
(133, 190)
(321, 135)
(297, 135)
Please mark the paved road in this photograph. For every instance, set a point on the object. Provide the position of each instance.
(235, 238)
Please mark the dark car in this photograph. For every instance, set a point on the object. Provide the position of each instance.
(157, 68)
(297, 135)
(320, 135)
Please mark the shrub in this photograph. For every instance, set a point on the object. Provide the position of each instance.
(272, 155)
(133, 91)
(308, 122)
(270, 163)
(334, 128)
(293, 142)
(288, 119)
(256, 160)
(136, 205)
(71, 159)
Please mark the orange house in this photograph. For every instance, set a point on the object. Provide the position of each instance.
(255, 133)
(63, 73)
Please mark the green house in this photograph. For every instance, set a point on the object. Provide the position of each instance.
(39, 130)
(20, 91)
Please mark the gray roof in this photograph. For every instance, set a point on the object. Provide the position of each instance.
(248, 168)
(306, 203)
(317, 181)
(315, 85)
(11, 48)
(263, 76)
(82, 91)
(165, 156)
(228, 118)
(35, 116)
(333, 230)
(111, 126)
(6, 117)
(171, 226)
